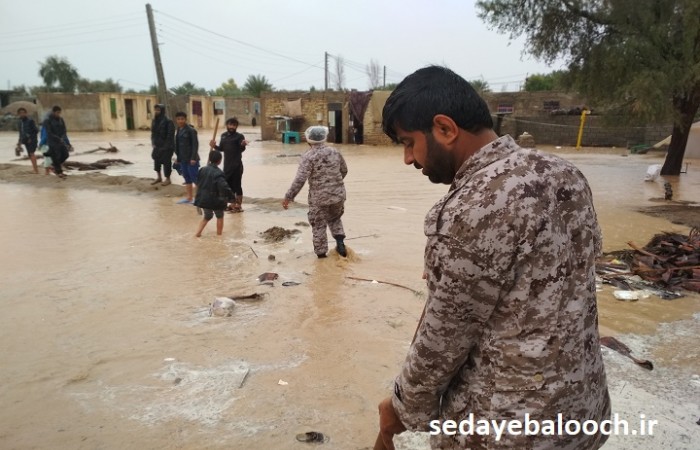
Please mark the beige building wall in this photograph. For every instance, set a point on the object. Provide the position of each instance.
(315, 111)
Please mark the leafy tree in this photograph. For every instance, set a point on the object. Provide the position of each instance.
(22, 90)
(480, 86)
(228, 88)
(554, 81)
(108, 85)
(641, 54)
(256, 85)
(374, 74)
(58, 74)
(188, 88)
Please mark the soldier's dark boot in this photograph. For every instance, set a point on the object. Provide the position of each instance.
(340, 245)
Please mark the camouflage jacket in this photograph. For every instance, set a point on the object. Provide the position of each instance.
(325, 169)
(511, 322)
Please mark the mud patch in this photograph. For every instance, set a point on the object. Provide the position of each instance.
(278, 234)
(683, 214)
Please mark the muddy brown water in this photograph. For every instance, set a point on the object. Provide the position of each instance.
(106, 337)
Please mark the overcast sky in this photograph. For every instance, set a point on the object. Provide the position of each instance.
(209, 41)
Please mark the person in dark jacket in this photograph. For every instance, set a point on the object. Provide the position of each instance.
(213, 193)
(57, 140)
(28, 133)
(163, 143)
(232, 144)
(187, 153)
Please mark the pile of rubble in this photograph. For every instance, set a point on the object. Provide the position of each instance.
(668, 263)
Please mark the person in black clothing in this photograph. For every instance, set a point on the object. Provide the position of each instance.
(213, 193)
(187, 153)
(28, 133)
(232, 144)
(57, 140)
(163, 143)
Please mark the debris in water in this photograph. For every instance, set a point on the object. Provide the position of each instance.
(630, 296)
(290, 283)
(222, 307)
(302, 224)
(247, 297)
(270, 257)
(670, 261)
(282, 383)
(97, 165)
(277, 234)
(622, 349)
(268, 276)
(313, 437)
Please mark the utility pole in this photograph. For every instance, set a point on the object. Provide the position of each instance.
(162, 90)
(384, 83)
(325, 73)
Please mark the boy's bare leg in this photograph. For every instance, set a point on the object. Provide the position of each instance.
(32, 157)
(203, 224)
(219, 226)
(188, 191)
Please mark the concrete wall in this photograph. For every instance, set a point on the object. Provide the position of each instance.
(314, 107)
(528, 104)
(81, 112)
(373, 134)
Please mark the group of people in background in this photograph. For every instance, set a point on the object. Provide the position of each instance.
(54, 143)
(216, 190)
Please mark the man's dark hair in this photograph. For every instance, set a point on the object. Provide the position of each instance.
(56, 108)
(214, 157)
(181, 114)
(232, 120)
(430, 91)
(19, 110)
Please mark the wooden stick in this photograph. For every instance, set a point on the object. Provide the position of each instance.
(360, 237)
(644, 252)
(216, 128)
(251, 249)
(385, 282)
(608, 275)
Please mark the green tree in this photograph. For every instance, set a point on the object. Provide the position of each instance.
(641, 54)
(188, 88)
(108, 85)
(256, 85)
(545, 82)
(480, 86)
(58, 74)
(228, 88)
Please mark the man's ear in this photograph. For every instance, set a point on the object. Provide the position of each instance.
(445, 130)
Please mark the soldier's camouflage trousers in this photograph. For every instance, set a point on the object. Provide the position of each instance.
(322, 216)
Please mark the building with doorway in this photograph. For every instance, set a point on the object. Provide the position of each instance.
(100, 111)
(299, 110)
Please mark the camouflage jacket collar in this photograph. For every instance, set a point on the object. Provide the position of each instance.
(485, 156)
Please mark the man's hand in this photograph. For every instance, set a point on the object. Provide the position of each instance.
(193, 162)
(212, 144)
(389, 423)
(244, 143)
(285, 203)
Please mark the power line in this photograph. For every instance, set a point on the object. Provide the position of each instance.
(237, 41)
(73, 43)
(71, 26)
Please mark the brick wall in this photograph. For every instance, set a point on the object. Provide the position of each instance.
(314, 106)
(373, 134)
(243, 108)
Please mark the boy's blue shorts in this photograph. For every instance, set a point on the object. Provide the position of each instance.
(189, 172)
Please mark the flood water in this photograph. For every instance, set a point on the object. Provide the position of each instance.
(107, 340)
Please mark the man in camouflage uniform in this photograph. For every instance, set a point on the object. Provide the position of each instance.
(510, 325)
(325, 169)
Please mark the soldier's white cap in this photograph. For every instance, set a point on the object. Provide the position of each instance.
(316, 134)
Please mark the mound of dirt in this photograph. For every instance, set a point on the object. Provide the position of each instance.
(277, 234)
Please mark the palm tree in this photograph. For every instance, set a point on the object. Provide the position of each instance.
(256, 85)
(480, 86)
(57, 70)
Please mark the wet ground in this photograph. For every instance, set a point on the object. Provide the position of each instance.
(105, 295)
